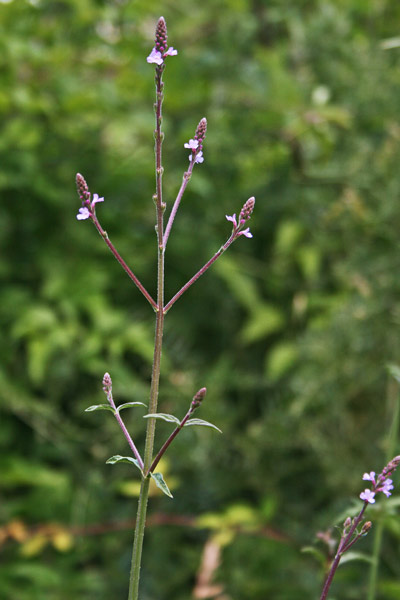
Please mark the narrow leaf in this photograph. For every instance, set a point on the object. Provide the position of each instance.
(201, 422)
(129, 404)
(163, 417)
(123, 459)
(99, 407)
(159, 481)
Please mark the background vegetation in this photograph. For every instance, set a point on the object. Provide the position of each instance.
(291, 331)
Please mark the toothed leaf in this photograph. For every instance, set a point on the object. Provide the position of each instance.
(163, 417)
(160, 483)
(201, 422)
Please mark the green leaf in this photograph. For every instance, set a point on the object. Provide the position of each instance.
(201, 422)
(394, 371)
(159, 481)
(100, 407)
(350, 556)
(123, 459)
(163, 417)
(129, 404)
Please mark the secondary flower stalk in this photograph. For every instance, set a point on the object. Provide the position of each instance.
(381, 483)
(88, 211)
(196, 145)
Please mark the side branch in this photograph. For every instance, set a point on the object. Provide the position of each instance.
(186, 177)
(199, 273)
(123, 264)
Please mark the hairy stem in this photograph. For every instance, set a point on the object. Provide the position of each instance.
(155, 376)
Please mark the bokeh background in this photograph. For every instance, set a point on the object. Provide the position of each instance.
(291, 332)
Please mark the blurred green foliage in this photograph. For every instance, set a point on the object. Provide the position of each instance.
(290, 332)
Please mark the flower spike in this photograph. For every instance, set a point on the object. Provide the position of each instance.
(244, 216)
(160, 50)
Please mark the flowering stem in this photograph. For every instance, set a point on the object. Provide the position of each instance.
(155, 376)
(200, 273)
(124, 429)
(170, 439)
(186, 177)
(123, 264)
(344, 545)
(393, 413)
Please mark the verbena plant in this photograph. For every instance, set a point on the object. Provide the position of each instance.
(148, 462)
(353, 529)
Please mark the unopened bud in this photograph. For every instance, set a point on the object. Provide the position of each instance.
(161, 35)
(107, 383)
(347, 525)
(247, 209)
(366, 527)
(82, 187)
(199, 397)
(201, 132)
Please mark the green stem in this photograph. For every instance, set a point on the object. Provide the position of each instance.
(155, 376)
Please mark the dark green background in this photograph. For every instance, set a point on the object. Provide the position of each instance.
(290, 331)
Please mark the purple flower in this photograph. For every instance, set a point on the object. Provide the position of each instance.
(191, 144)
(368, 496)
(386, 488)
(97, 199)
(236, 228)
(83, 214)
(170, 52)
(246, 232)
(199, 158)
(156, 57)
(233, 219)
(369, 476)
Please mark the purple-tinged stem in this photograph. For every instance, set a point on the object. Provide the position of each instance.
(123, 264)
(208, 264)
(124, 429)
(186, 177)
(170, 439)
(344, 545)
(133, 593)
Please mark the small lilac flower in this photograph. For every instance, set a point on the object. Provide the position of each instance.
(368, 496)
(369, 476)
(246, 232)
(170, 52)
(155, 57)
(83, 214)
(236, 228)
(97, 199)
(386, 488)
(233, 219)
(191, 144)
(199, 158)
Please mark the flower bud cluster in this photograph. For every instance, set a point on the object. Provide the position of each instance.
(87, 209)
(245, 214)
(381, 483)
(160, 51)
(198, 398)
(161, 36)
(107, 383)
